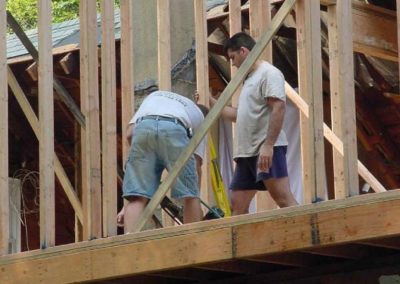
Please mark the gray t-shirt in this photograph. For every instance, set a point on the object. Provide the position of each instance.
(253, 115)
(170, 104)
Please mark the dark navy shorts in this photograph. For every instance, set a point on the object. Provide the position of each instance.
(247, 177)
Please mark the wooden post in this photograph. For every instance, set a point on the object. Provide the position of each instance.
(91, 169)
(46, 121)
(260, 17)
(109, 119)
(4, 192)
(202, 82)
(215, 111)
(235, 26)
(310, 86)
(164, 44)
(342, 98)
(127, 72)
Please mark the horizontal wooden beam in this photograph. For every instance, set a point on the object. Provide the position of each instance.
(333, 222)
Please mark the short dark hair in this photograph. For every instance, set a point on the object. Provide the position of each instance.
(239, 40)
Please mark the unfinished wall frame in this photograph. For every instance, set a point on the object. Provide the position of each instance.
(91, 209)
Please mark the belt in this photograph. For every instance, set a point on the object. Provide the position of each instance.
(164, 118)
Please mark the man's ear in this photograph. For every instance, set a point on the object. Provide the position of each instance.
(244, 50)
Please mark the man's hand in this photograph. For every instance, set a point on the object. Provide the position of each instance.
(120, 218)
(265, 157)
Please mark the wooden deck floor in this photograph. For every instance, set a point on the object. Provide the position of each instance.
(305, 242)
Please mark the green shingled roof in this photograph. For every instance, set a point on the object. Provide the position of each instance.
(62, 34)
(68, 33)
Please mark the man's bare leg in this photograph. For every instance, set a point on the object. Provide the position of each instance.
(279, 189)
(240, 201)
(192, 210)
(132, 211)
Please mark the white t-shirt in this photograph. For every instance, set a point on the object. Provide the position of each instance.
(253, 115)
(170, 104)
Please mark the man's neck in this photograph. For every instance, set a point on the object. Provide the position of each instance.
(254, 67)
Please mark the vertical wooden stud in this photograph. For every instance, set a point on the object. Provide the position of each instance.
(4, 192)
(109, 119)
(164, 44)
(46, 122)
(310, 86)
(91, 168)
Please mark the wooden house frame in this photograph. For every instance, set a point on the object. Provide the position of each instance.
(346, 227)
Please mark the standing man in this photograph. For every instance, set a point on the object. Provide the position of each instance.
(159, 131)
(260, 143)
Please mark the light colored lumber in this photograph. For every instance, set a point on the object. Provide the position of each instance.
(215, 111)
(34, 123)
(211, 225)
(128, 259)
(91, 168)
(164, 44)
(46, 124)
(32, 70)
(322, 228)
(127, 72)
(235, 26)
(260, 17)
(334, 140)
(202, 83)
(334, 77)
(310, 227)
(109, 120)
(4, 192)
(342, 98)
(68, 63)
(310, 87)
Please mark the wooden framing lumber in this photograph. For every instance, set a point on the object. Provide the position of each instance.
(46, 123)
(310, 86)
(4, 192)
(58, 87)
(277, 232)
(68, 63)
(202, 84)
(91, 168)
(216, 110)
(260, 17)
(342, 98)
(32, 70)
(127, 71)
(164, 44)
(334, 140)
(34, 123)
(235, 26)
(374, 30)
(109, 120)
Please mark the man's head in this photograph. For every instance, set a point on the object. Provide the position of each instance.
(238, 47)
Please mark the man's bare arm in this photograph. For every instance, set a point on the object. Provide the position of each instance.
(274, 128)
(228, 112)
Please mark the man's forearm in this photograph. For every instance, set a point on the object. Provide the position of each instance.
(228, 112)
(275, 123)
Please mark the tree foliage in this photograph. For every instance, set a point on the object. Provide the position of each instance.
(26, 12)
